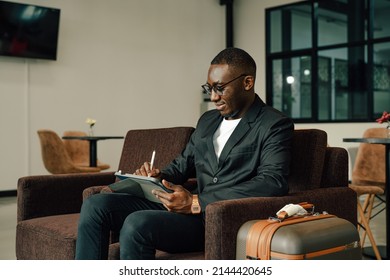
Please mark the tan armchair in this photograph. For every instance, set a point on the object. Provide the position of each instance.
(56, 158)
(48, 206)
(368, 181)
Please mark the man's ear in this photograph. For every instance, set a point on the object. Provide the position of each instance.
(249, 82)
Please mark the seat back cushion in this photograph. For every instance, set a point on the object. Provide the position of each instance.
(307, 159)
(140, 144)
(336, 171)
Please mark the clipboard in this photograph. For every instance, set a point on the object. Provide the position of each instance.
(136, 185)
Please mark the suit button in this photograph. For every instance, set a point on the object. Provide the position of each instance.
(215, 180)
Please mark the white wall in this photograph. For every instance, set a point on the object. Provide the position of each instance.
(128, 64)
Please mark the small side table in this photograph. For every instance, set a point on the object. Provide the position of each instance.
(92, 145)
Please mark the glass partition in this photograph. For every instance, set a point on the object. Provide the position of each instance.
(381, 13)
(292, 86)
(381, 78)
(290, 28)
(329, 60)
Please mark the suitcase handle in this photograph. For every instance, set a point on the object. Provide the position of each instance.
(309, 207)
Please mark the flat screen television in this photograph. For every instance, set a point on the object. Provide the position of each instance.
(28, 31)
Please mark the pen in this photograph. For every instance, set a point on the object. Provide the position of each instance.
(152, 160)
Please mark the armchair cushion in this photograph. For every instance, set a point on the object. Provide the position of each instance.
(59, 232)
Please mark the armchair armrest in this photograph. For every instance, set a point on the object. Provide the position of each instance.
(224, 218)
(88, 192)
(46, 195)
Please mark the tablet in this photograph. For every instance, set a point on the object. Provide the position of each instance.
(141, 179)
(137, 185)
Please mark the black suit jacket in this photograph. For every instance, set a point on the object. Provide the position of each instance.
(254, 162)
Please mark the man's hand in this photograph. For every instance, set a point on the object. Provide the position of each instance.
(145, 170)
(179, 201)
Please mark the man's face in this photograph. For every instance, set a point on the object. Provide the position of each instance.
(234, 99)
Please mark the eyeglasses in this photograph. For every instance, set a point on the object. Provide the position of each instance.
(218, 89)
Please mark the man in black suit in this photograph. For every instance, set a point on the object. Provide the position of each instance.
(240, 149)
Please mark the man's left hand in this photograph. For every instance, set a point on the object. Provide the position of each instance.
(179, 201)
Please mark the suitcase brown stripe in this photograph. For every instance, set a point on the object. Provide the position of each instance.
(312, 254)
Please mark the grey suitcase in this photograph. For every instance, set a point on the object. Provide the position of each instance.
(310, 237)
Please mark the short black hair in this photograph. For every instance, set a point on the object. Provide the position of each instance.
(237, 58)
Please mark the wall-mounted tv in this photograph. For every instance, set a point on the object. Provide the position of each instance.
(28, 30)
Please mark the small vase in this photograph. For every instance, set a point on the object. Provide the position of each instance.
(90, 131)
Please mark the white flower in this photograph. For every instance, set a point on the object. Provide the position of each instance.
(91, 122)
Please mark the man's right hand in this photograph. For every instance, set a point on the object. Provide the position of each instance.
(145, 170)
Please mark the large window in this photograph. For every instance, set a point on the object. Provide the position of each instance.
(329, 60)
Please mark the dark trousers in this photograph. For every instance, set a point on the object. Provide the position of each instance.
(143, 227)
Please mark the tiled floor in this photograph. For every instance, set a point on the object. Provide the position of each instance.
(8, 226)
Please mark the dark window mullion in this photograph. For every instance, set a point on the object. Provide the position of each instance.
(370, 58)
(314, 64)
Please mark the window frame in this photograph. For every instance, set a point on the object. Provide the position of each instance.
(314, 51)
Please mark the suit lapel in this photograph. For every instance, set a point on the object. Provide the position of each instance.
(208, 134)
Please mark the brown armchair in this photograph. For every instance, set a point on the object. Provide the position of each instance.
(319, 174)
(48, 206)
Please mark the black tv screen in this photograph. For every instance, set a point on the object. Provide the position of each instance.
(28, 30)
